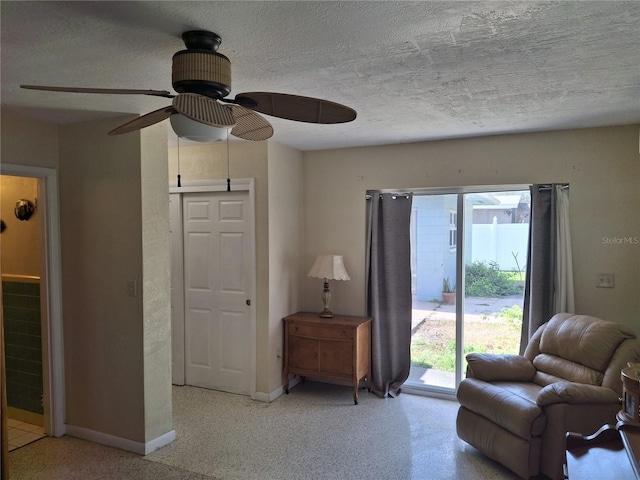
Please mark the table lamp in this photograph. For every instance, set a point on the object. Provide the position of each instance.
(329, 267)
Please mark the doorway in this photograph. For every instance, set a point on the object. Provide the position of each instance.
(213, 286)
(470, 248)
(32, 304)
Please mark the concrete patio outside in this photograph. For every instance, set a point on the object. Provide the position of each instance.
(475, 308)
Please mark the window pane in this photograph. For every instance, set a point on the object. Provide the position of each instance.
(496, 239)
(434, 319)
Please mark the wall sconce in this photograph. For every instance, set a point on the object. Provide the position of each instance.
(329, 267)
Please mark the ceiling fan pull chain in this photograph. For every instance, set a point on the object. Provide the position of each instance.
(228, 176)
(179, 185)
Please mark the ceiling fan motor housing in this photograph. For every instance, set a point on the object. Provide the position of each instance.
(201, 71)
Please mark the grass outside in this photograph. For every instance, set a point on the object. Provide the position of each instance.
(433, 344)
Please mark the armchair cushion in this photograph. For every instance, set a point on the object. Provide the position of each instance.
(584, 339)
(513, 409)
(575, 394)
(567, 370)
(491, 368)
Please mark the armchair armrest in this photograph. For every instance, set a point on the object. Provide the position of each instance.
(491, 368)
(576, 393)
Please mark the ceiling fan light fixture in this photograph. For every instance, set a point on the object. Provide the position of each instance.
(189, 129)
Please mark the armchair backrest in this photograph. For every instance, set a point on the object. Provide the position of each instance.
(582, 349)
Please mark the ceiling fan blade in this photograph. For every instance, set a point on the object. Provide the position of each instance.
(296, 107)
(144, 121)
(204, 110)
(250, 125)
(108, 91)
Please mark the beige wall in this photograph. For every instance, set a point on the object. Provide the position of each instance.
(602, 166)
(21, 239)
(107, 335)
(101, 240)
(26, 142)
(285, 248)
(156, 285)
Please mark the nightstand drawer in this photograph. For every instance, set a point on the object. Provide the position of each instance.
(315, 331)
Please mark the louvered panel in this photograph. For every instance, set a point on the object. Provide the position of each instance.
(201, 66)
(204, 110)
(250, 125)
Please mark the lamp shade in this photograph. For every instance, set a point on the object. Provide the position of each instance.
(196, 131)
(330, 267)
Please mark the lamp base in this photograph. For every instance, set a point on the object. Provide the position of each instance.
(326, 298)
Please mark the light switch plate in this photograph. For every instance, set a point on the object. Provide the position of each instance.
(604, 280)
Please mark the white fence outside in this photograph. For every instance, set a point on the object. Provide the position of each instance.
(501, 243)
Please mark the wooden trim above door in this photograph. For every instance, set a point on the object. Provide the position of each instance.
(190, 186)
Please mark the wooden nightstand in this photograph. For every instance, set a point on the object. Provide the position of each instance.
(337, 348)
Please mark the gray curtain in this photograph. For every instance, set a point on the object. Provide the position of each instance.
(549, 279)
(388, 272)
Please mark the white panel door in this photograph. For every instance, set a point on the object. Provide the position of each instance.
(217, 274)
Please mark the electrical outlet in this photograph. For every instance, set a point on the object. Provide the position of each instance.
(604, 280)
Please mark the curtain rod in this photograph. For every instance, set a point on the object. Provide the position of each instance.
(483, 189)
(544, 187)
(368, 196)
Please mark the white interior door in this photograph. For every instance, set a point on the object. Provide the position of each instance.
(218, 271)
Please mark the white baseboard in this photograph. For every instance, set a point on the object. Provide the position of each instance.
(261, 397)
(159, 442)
(119, 442)
(280, 390)
(270, 397)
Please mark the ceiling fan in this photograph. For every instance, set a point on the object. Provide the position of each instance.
(202, 78)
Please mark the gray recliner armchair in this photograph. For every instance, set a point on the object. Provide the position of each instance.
(517, 409)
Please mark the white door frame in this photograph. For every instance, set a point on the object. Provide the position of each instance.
(51, 280)
(240, 184)
(177, 290)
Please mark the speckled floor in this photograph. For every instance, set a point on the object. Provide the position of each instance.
(315, 432)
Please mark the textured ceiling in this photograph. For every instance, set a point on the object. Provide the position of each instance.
(414, 71)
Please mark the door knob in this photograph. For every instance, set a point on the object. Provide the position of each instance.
(248, 302)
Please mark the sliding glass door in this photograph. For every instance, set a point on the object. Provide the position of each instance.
(434, 249)
(468, 258)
